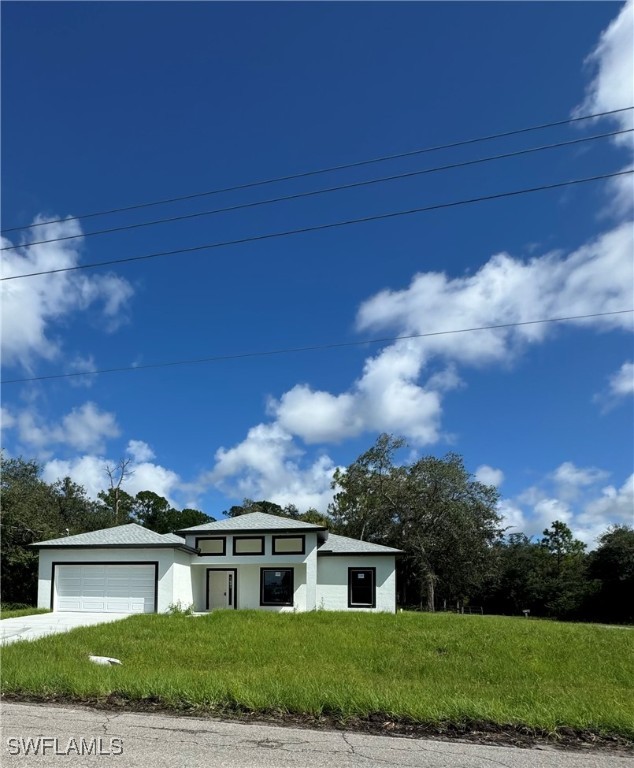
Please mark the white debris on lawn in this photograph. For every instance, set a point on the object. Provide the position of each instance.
(105, 661)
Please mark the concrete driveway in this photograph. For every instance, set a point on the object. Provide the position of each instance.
(42, 624)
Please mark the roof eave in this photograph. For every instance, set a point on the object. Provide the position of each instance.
(161, 545)
(330, 553)
(221, 531)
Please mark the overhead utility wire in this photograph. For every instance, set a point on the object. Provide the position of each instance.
(305, 174)
(324, 190)
(313, 348)
(319, 227)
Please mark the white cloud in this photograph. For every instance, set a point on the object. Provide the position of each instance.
(575, 496)
(85, 428)
(89, 470)
(595, 278)
(622, 382)
(78, 364)
(570, 479)
(620, 386)
(267, 465)
(612, 84)
(140, 451)
(33, 308)
(388, 396)
(489, 475)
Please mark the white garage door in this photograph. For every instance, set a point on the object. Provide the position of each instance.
(105, 588)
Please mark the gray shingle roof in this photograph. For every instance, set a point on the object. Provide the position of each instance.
(254, 521)
(121, 535)
(342, 545)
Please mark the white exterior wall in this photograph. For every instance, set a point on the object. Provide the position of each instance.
(332, 581)
(182, 578)
(304, 566)
(167, 574)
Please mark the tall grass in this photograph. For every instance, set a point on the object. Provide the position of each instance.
(13, 610)
(428, 668)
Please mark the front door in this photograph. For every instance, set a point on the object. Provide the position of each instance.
(221, 589)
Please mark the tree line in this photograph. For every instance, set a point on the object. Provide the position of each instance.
(456, 551)
(34, 510)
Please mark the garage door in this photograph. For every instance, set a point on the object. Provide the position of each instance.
(105, 588)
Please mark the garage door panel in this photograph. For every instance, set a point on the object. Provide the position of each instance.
(105, 588)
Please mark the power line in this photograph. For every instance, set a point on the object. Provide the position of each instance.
(313, 348)
(345, 166)
(320, 227)
(325, 190)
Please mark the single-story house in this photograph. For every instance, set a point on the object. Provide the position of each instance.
(251, 561)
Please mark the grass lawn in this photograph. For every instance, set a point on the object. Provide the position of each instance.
(11, 610)
(423, 667)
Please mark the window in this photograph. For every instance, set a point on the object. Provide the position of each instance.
(211, 545)
(276, 586)
(289, 545)
(361, 587)
(248, 545)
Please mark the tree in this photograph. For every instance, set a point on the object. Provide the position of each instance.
(446, 522)
(116, 506)
(612, 566)
(187, 518)
(156, 513)
(117, 474)
(564, 579)
(77, 513)
(28, 513)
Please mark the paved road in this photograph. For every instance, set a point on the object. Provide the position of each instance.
(42, 624)
(181, 742)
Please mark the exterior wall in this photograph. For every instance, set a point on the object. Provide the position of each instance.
(164, 557)
(332, 581)
(182, 578)
(305, 572)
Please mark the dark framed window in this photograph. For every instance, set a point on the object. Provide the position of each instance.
(276, 586)
(211, 545)
(289, 545)
(361, 587)
(248, 545)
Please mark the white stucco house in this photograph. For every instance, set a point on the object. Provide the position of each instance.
(252, 561)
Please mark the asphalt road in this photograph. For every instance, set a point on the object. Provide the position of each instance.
(159, 741)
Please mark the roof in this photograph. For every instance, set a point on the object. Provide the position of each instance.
(342, 545)
(254, 521)
(131, 535)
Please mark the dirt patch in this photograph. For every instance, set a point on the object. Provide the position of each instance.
(378, 724)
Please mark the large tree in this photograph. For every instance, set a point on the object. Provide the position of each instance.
(445, 520)
(612, 566)
(156, 513)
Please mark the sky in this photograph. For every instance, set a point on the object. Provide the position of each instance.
(108, 105)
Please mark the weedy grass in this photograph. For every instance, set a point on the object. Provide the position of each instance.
(422, 667)
(13, 610)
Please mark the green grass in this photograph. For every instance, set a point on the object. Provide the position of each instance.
(11, 610)
(428, 668)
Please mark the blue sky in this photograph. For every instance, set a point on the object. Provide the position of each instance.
(111, 104)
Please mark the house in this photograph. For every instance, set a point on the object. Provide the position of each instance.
(251, 561)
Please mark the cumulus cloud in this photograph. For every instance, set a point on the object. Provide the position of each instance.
(622, 382)
(620, 386)
(394, 392)
(611, 88)
(33, 308)
(84, 428)
(89, 470)
(489, 475)
(577, 497)
(267, 465)
(140, 451)
(610, 62)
